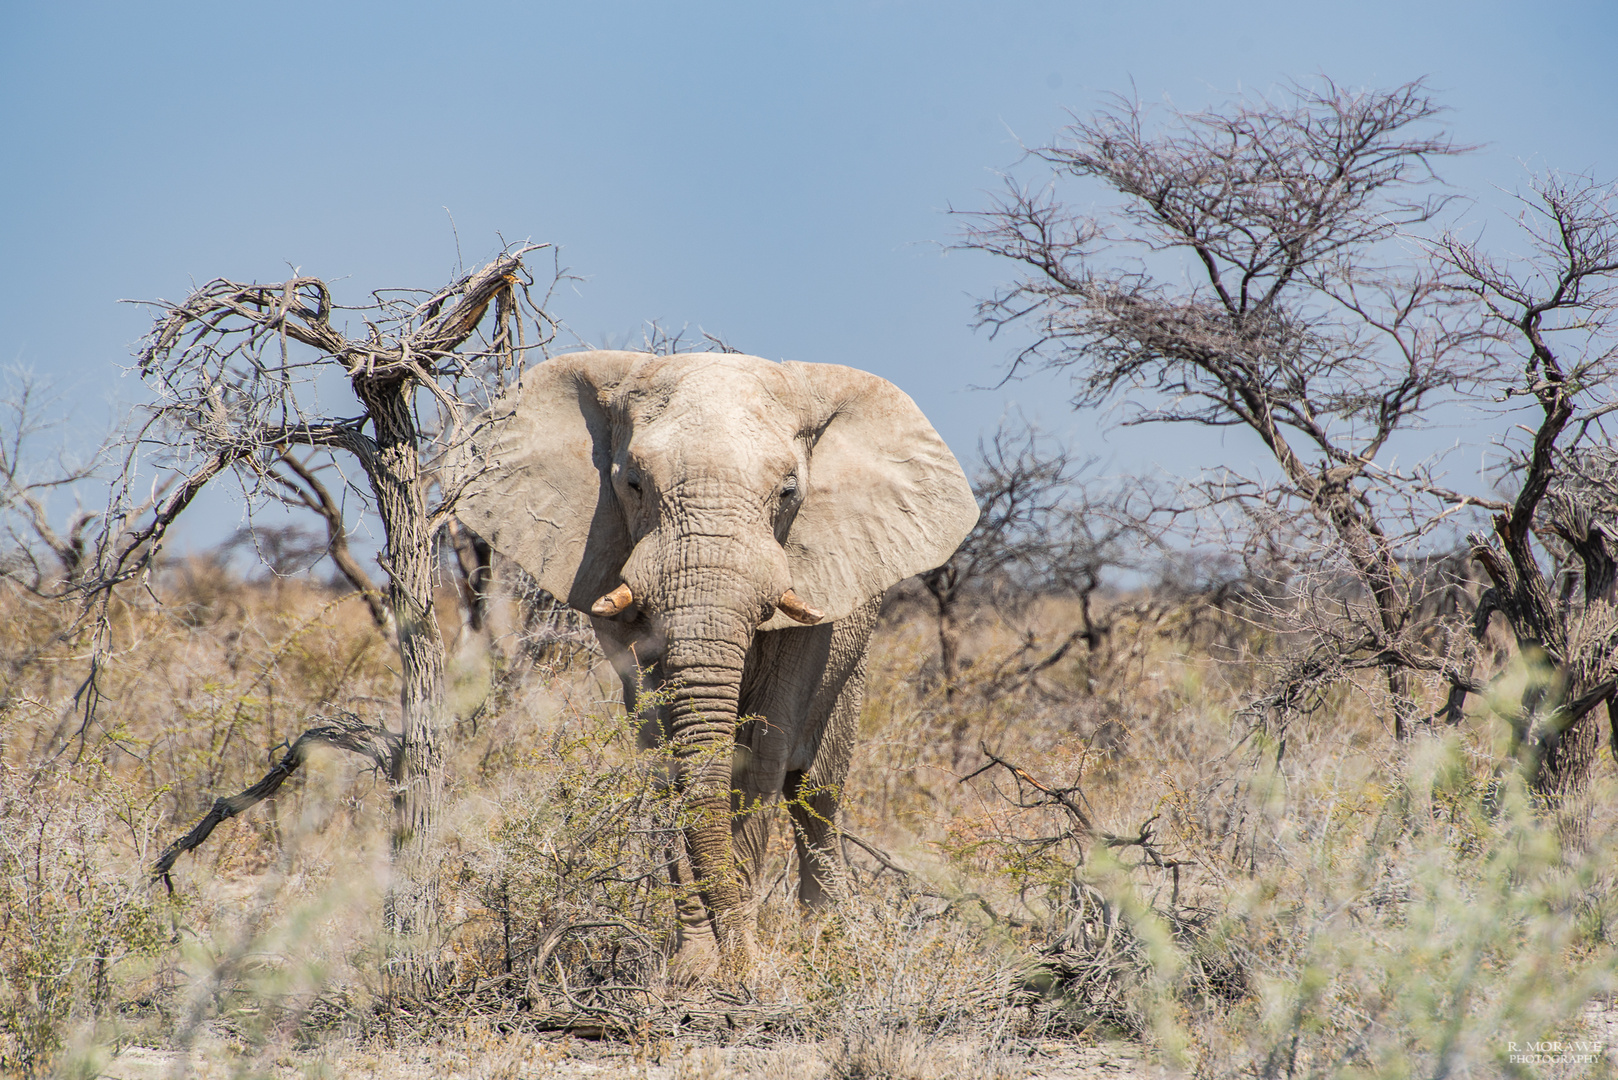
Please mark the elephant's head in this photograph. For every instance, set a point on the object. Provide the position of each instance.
(714, 495)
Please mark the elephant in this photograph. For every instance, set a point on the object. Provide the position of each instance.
(731, 524)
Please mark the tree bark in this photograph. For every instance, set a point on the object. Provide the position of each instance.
(1568, 759)
(394, 469)
(1555, 726)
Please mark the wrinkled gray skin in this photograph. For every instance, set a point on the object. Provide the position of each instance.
(710, 484)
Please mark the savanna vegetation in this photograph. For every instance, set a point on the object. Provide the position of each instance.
(1293, 774)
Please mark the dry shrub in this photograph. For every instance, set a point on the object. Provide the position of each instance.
(1344, 906)
(1296, 907)
(75, 924)
(1417, 922)
(194, 695)
(574, 869)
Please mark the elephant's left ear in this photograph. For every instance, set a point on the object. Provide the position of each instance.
(885, 498)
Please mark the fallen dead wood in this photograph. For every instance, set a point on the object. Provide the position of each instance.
(510, 1004)
(344, 732)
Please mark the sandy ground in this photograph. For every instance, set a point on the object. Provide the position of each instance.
(481, 1056)
(526, 1059)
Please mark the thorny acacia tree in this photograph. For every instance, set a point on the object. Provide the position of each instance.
(1556, 306)
(236, 368)
(1249, 277)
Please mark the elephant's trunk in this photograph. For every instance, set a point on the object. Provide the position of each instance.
(710, 602)
(705, 677)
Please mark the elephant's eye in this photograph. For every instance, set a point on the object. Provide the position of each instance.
(789, 487)
(633, 481)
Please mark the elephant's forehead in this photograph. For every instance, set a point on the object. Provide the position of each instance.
(713, 410)
(712, 385)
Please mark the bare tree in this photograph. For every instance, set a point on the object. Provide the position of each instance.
(1020, 486)
(1040, 531)
(236, 368)
(42, 558)
(1249, 277)
(1557, 304)
(26, 486)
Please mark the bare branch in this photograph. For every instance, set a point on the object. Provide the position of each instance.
(314, 495)
(133, 550)
(383, 748)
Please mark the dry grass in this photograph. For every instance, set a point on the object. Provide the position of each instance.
(1235, 905)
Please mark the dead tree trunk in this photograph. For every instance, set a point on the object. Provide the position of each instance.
(394, 469)
(1555, 731)
(230, 365)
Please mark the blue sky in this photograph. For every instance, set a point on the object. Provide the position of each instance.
(776, 173)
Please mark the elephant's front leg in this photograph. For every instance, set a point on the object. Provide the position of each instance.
(696, 946)
(760, 770)
(813, 791)
(822, 877)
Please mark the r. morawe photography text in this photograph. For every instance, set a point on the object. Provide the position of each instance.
(1556, 1052)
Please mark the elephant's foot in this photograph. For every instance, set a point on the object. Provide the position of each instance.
(737, 949)
(822, 883)
(822, 876)
(695, 961)
(702, 958)
(701, 963)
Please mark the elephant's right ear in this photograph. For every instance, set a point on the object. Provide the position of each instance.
(537, 475)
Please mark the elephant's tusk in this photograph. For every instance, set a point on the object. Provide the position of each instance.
(613, 602)
(795, 608)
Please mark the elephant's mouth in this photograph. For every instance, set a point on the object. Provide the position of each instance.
(789, 604)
